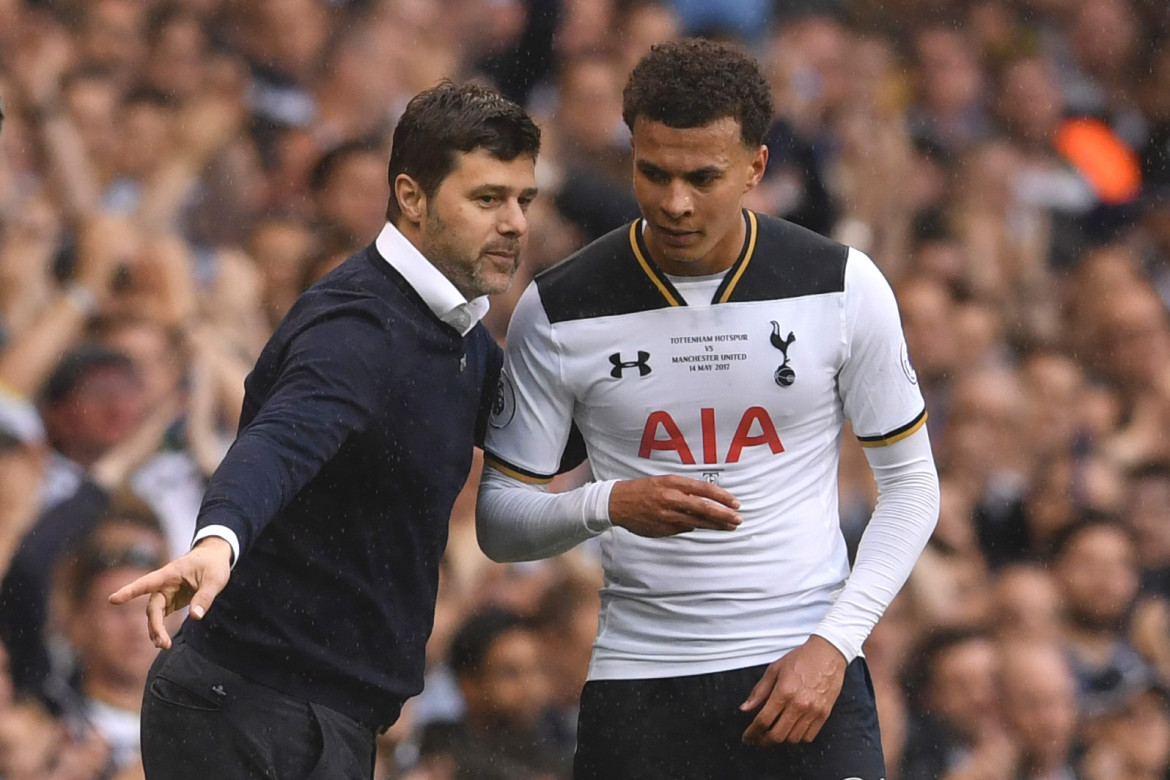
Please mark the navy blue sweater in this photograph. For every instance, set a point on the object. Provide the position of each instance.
(357, 434)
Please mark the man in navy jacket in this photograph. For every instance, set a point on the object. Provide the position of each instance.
(320, 534)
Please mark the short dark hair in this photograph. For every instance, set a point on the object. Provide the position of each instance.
(474, 638)
(456, 118)
(323, 172)
(76, 366)
(1086, 522)
(691, 82)
(92, 555)
(918, 675)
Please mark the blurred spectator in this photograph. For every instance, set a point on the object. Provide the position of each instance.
(590, 147)
(927, 307)
(36, 746)
(951, 106)
(1037, 692)
(349, 189)
(1147, 514)
(281, 247)
(949, 584)
(1095, 567)
(1132, 742)
(566, 619)
(26, 626)
(112, 653)
(1151, 233)
(91, 402)
(951, 681)
(1026, 604)
(495, 656)
(23, 451)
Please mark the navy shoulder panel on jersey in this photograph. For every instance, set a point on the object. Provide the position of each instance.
(790, 261)
(601, 279)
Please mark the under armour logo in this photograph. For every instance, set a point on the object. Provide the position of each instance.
(619, 365)
(784, 375)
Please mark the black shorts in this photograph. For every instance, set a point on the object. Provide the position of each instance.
(690, 728)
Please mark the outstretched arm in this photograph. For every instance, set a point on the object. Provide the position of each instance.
(193, 579)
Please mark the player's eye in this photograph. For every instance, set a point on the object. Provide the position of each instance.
(655, 176)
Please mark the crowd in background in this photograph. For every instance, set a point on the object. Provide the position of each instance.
(173, 174)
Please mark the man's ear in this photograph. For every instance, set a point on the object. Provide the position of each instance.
(759, 164)
(412, 201)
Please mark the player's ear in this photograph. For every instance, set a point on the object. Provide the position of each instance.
(412, 201)
(758, 165)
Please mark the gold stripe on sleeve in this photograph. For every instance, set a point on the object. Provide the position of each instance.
(513, 472)
(895, 436)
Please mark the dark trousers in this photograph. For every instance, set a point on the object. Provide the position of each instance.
(690, 728)
(201, 721)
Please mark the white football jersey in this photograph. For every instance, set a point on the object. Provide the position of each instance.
(749, 391)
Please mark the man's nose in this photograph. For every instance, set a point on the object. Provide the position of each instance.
(512, 220)
(677, 201)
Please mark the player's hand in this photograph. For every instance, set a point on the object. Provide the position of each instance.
(797, 693)
(195, 579)
(664, 506)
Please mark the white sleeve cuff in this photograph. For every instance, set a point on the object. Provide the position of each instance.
(223, 532)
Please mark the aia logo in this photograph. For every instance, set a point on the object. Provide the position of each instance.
(784, 375)
(619, 365)
(755, 429)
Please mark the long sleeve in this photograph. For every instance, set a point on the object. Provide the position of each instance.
(329, 383)
(519, 521)
(902, 522)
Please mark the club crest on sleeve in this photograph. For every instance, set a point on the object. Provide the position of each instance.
(907, 367)
(504, 406)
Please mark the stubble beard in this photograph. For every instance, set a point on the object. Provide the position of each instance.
(469, 274)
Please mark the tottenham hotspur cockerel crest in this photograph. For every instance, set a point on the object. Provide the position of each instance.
(784, 375)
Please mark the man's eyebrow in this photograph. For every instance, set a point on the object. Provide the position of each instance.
(503, 190)
(707, 170)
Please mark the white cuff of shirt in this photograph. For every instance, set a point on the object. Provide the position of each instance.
(223, 532)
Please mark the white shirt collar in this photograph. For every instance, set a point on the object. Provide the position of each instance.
(436, 290)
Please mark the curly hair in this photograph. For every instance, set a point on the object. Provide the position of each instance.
(692, 82)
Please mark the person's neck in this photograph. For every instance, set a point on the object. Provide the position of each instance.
(1092, 645)
(410, 231)
(123, 696)
(85, 457)
(1045, 767)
